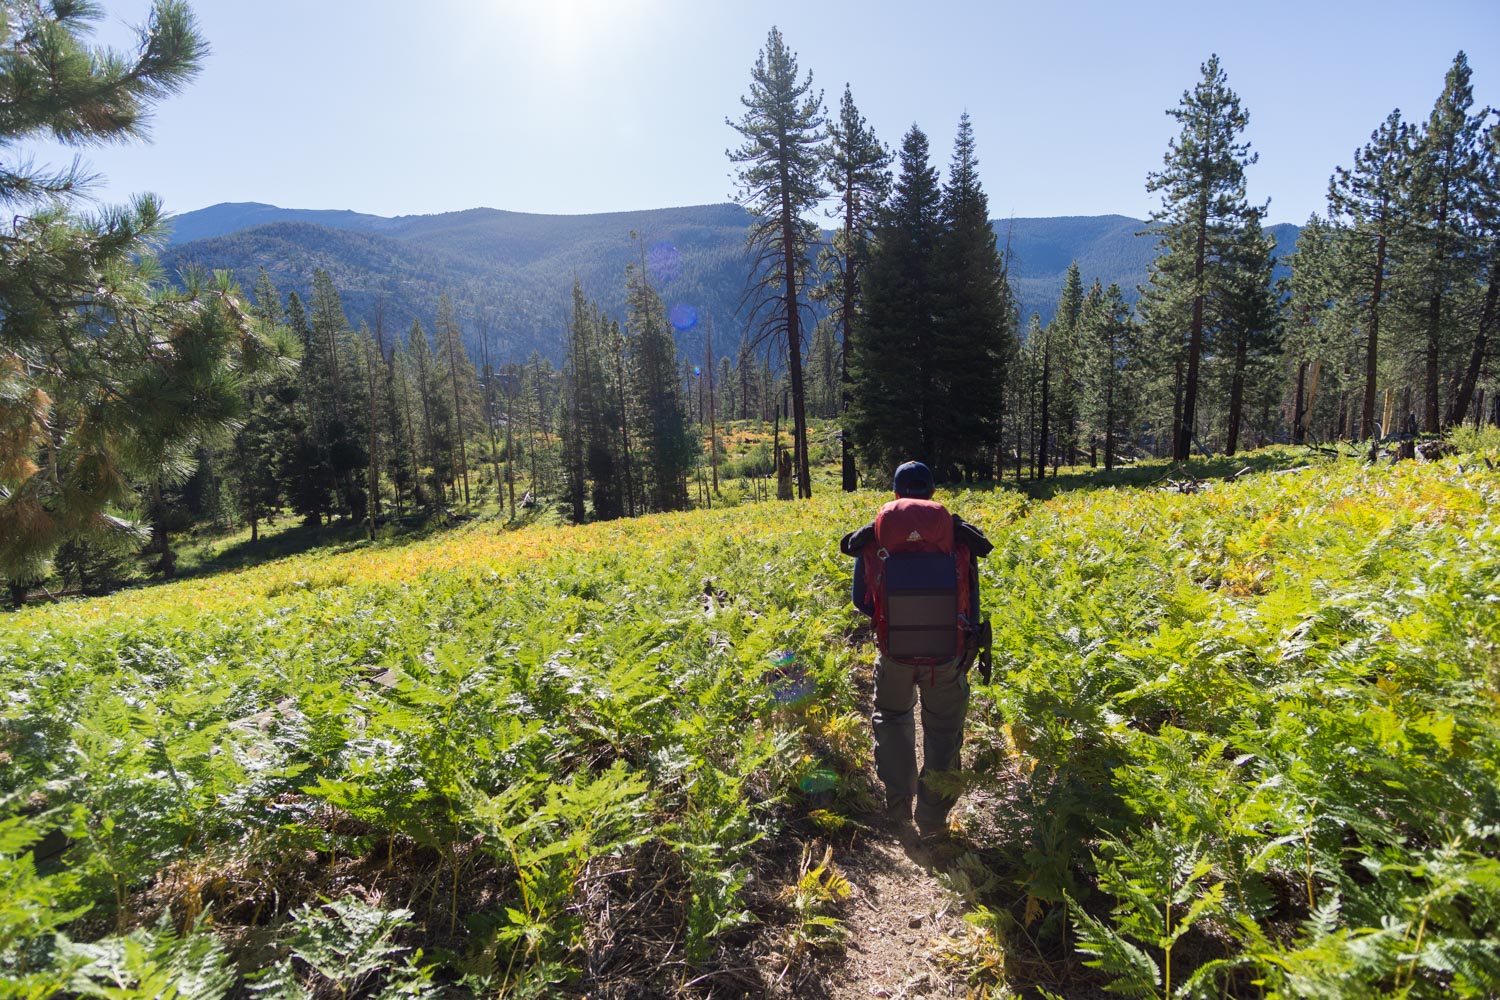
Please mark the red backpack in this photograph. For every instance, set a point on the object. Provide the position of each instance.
(920, 578)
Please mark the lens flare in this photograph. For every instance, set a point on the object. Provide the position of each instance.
(683, 316)
(790, 685)
(663, 263)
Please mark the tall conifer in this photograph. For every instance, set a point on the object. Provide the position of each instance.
(1367, 199)
(659, 414)
(1486, 320)
(1109, 357)
(1444, 183)
(858, 172)
(895, 396)
(972, 319)
(1202, 184)
(1250, 318)
(780, 178)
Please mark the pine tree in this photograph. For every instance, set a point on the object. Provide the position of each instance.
(1444, 184)
(369, 385)
(1487, 239)
(1107, 335)
(76, 289)
(1250, 318)
(1367, 200)
(858, 171)
(592, 450)
(1202, 183)
(1065, 364)
(460, 378)
(342, 417)
(489, 402)
(265, 431)
(1313, 336)
(780, 178)
(399, 426)
(1028, 391)
(620, 410)
(895, 393)
(658, 414)
(746, 366)
(972, 320)
(306, 468)
(823, 371)
(435, 439)
(728, 383)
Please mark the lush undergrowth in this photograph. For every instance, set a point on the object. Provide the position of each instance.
(1239, 742)
(1244, 741)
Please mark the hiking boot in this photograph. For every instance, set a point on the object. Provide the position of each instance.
(898, 810)
(931, 829)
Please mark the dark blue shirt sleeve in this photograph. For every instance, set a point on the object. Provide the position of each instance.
(861, 595)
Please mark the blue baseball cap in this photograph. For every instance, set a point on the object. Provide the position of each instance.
(914, 480)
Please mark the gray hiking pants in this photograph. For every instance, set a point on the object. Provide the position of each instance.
(945, 700)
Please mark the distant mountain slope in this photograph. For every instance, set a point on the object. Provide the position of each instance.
(518, 269)
(231, 217)
(1112, 248)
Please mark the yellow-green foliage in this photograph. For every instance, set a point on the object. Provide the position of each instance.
(1246, 739)
(551, 697)
(1242, 736)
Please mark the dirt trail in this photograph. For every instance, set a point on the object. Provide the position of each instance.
(895, 913)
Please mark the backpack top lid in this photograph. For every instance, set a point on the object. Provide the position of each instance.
(911, 525)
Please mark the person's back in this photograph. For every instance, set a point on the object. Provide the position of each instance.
(916, 576)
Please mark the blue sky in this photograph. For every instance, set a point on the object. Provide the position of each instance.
(580, 106)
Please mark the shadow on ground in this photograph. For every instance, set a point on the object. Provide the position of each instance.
(1142, 475)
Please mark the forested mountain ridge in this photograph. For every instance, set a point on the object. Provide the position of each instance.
(1108, 247)
(510, 271)
(518, 268)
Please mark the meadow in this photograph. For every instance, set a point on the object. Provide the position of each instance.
(1238, 742)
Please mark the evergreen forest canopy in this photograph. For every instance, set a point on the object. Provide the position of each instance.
(518, 269)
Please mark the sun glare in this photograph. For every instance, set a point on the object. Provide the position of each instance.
(567, 30)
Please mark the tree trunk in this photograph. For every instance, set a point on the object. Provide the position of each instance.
(846, 382)
(794, 342)
(161, 543)
(1236, 394)
(1176, 402)
(373, 503)
(458, 413)
(1298, 434)
(1041, 447)
(713, 426)
(489, 406)
(1109, 428)
(1183, 447)
(1477, 350)
(1372, 341)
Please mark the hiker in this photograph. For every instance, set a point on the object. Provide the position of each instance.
(916, 575)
